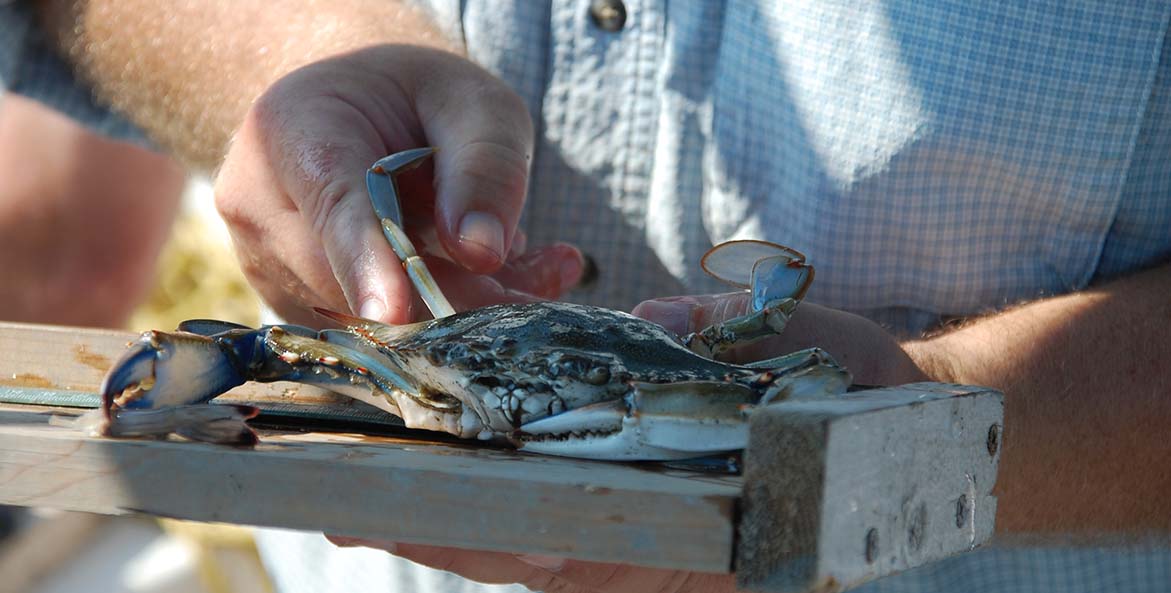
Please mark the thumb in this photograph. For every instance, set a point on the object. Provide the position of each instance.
(686, 314)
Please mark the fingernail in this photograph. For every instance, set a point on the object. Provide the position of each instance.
(571, 269)
(372, 309)
(517, 249)
(550, 563)
(484, 231)
(673, 315)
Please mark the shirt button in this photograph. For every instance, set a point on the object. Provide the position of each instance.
(608, 15)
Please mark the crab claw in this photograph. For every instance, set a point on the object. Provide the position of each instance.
(777, 278)
(682, 420)
(654, 422)
(173, 369)
(152, 390)
(772, 272)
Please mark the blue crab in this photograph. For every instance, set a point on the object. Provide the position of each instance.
(549, 377)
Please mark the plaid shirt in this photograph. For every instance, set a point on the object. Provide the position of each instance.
(933, 159)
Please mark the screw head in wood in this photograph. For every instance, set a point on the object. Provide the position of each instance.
(993, 441)
(871, 542)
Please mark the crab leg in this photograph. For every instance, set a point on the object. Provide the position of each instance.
(384, 196)
(804, 374)
(778, 279)
(716, 339)
(683, 419)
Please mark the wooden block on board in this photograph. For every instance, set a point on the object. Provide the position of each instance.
(840, 492)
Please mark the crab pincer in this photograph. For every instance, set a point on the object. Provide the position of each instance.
(777, 278)
(382, 186)
(160, 385)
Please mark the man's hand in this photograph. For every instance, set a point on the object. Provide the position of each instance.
(868, 351)
(293, 194)
(552, 574)
(1086, 394)
(312, 96)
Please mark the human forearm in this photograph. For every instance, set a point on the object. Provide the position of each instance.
(187, 71)
(1087, 405)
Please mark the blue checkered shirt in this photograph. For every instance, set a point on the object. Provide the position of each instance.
(934, 159)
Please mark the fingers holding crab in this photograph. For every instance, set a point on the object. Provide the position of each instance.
(543, 273)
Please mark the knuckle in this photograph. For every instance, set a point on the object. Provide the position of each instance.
(317, 163)
(489, 102)
(267, 113)
(493, 168)
(232, 206)
(322, 206)
(504, 100)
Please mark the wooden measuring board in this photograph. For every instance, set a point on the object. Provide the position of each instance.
(834, 493)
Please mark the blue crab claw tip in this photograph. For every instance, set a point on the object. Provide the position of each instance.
(401, 161)
(776, 278)
(172, 369)
(380, 184)
(136, 366)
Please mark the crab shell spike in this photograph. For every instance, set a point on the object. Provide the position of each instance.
(732, 262)
(379, 333)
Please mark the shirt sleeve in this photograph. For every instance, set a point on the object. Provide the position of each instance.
(29, 67)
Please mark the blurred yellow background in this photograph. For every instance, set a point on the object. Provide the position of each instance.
(197, 275)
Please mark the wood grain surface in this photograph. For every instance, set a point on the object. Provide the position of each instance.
(404, 489)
